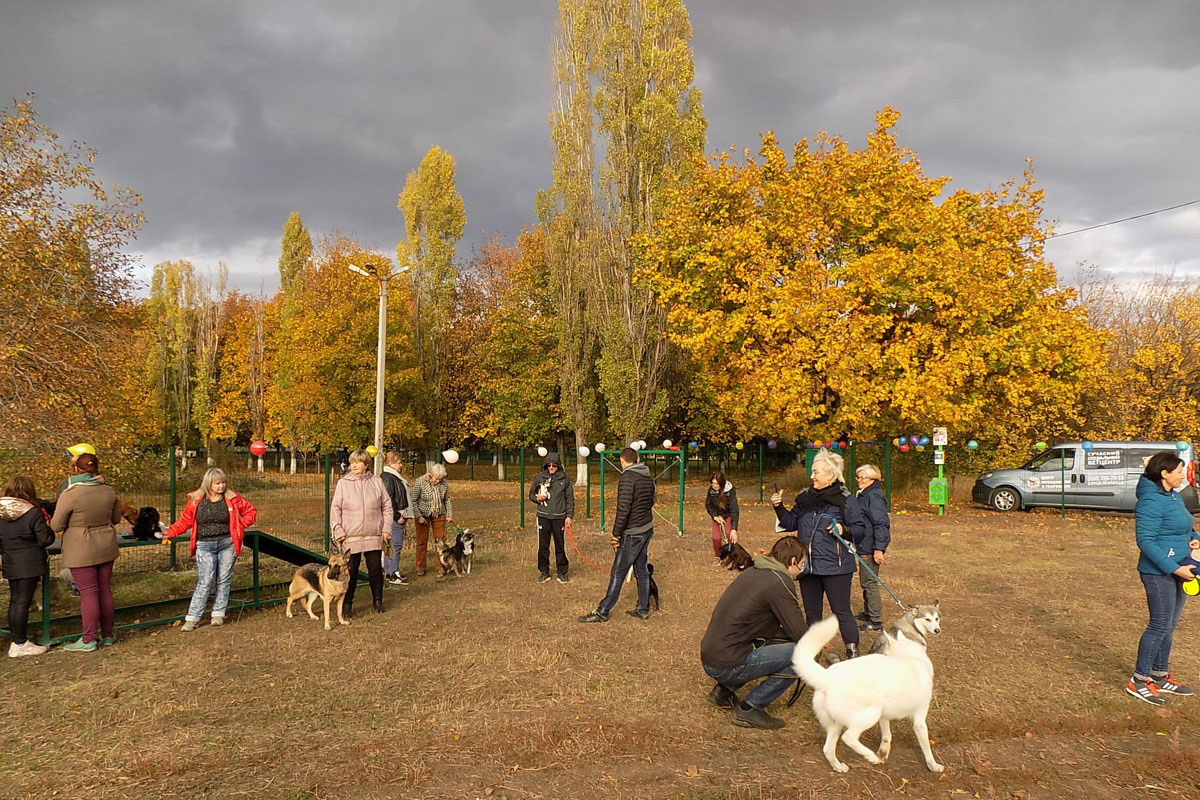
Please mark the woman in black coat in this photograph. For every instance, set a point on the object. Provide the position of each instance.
(722, 506)
(24, 537)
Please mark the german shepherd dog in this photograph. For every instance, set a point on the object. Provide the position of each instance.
(326, 581)
(458, 556)
(736, 557)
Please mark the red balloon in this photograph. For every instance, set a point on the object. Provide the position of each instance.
(258, 448)
(904, 448)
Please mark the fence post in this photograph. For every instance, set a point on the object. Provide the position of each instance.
(171, 456)
(887, 470)
(256, 581)
(762, 453)
(328, 474)
(471, 462)
(853, 462)
(602, 492)
(587, 482)
(522, 487)
(682, 489)
(46, 603)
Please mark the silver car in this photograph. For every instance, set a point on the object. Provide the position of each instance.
(1104, 476)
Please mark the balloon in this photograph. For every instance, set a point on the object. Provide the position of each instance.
(913, 439)
(1087, 447)
(450, 456)
(1040, 446)
(920, 448)
(974, 445)
(599, 447)
(904, 448)
(542, 451)
(258, 448)
(1181, 446)
(739, 445)
(817, 444)
(674, 448)
(924, 440)
(584, 452)
(693, 445)
(772, 444)
(638, 445)
(841, 445)
(667, 443)
(80, 449)
(372, 450)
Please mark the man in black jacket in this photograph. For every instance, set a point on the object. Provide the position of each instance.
(554, 496)
(760, 604)
(632, 529)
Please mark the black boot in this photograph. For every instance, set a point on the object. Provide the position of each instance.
(376, 582)
(347, 608)
(852, 650)
(378, 606)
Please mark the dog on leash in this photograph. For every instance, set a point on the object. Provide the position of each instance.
(917, 624)
(874, 689)
(329, 582)
(653, 587)
(457, 557)
(736, 557)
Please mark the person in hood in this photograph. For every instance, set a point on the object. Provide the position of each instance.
(85, 516)
(217, 518)
(819, 513)
(760, 604)
(24, 537)
(633, 527)
(1165, 538)
(554, 496)
(722, 506)
(397, 489)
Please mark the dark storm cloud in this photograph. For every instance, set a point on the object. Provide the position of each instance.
(226, 116)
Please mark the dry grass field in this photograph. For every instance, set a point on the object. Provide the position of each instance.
(486, 686)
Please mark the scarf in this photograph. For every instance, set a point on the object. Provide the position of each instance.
(84, 479)
(814, 499)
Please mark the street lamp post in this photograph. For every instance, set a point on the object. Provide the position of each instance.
(383, 275)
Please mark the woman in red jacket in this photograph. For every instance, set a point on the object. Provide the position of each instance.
(217, 517)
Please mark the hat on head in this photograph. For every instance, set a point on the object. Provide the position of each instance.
(77, 450)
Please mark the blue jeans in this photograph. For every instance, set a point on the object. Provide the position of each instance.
(767, 660)
(391, 564)
(631, 552)
(1164, 596)
(214, 560)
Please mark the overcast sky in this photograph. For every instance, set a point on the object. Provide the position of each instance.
(225, 116)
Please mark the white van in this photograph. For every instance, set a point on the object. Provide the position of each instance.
(1104, 476)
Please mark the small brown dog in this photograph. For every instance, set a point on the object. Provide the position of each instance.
(736, 557)
(326, 581)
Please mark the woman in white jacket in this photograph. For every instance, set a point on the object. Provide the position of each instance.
(361, 516)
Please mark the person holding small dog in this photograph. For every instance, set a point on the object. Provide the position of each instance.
(1165, 538)
(85, 516)
(24, 537)
(397, 489)
(217, 518)
(361, 515)
(721, 504)
(433, 511)
(633, 527)
(553, 494)
(875, 541)
(818, 513)
(760, 604)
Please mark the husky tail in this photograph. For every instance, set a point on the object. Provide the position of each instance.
(804, 657)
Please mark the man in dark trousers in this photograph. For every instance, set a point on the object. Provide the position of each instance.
(631, 532)
(554, 496)
(760, 605)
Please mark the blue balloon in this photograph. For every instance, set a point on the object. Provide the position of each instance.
(972, 445)
(1087, 447)
(693, 445)
(924, 440)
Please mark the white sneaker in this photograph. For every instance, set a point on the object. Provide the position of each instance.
(188, 626)
(30, 648)
(217, 621)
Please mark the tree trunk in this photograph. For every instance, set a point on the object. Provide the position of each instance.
(260, 463)
(499, 462)
(293, 461)
(581, 464)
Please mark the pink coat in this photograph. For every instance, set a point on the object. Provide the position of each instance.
(361, 513)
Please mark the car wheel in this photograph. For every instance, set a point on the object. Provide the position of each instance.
(1006, 498)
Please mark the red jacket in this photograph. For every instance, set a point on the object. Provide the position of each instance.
(241, 516)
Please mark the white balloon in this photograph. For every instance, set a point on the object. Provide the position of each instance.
(450, 456)
(667, 444)
(584, 452)
(542, 451)
(600, 447)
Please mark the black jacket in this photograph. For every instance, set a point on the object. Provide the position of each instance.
(558, 499)
(712, 504)
(878, 528)
(635, 501)
(24, 537)
(812, 519)
(396, 493)
(761, 603)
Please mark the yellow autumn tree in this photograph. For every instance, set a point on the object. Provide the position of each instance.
(839, 292)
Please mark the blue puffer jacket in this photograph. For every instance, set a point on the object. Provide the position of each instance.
(877, 527)
(1164, 528)
(810, 519)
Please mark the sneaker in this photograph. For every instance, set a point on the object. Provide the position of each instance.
(1168, 685)
(563, 579)
(189, 625)
(751, 717)
(870, 626)
(396, 579)
(217, 621)
(420, 573)
(545, 576)
(401, 580)
(108, 641)
(28, 648)
(639, 614)
(80, 646)
(723, 697)
(595, 616)
(1145, 690)
(863, 617)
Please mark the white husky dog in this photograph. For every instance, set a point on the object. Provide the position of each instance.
(858, 693)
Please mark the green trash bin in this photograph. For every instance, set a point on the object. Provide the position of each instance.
(939, 492)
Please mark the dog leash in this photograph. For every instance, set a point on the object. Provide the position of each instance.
(567, 529)
(861, 560)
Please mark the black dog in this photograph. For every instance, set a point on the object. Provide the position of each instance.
(653, 586)
(148, 523)
(736, 557)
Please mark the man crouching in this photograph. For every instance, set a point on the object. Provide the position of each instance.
(760, 604)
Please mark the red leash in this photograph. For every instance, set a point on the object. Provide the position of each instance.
(567, 528)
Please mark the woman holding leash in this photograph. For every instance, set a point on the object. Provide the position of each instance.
(217, 518)
(361, 516)
(818, 513)
(1165, 538)
(875, 541)
(721, 504)
(85, 516)
(24, 537)
(433, 510)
